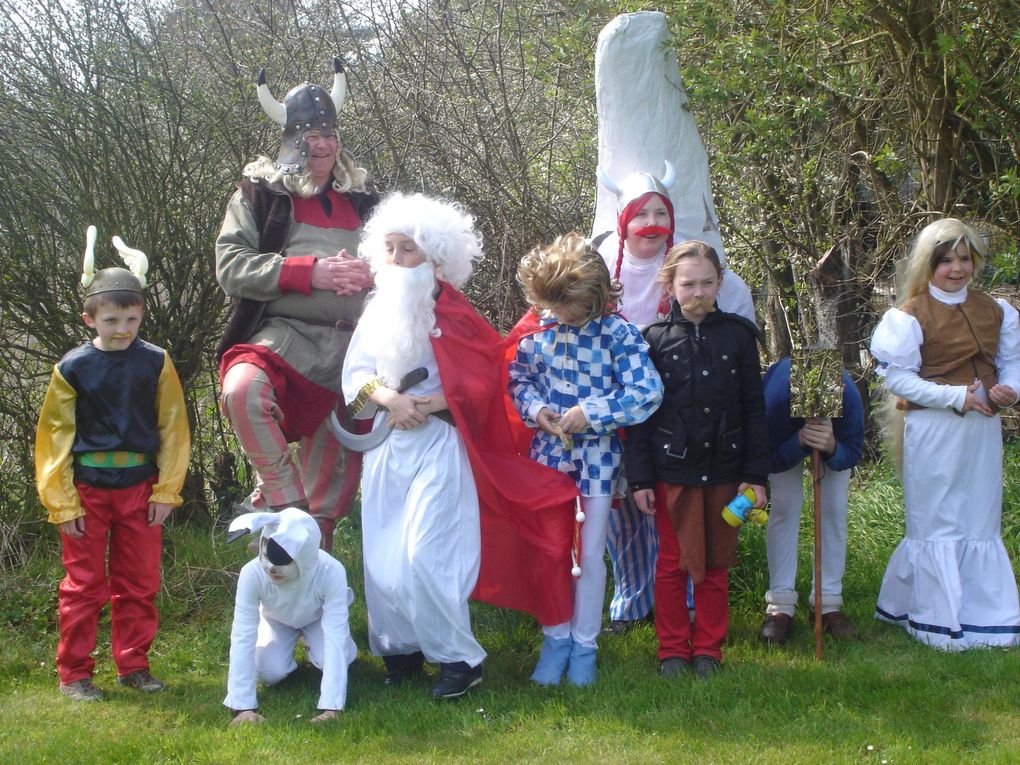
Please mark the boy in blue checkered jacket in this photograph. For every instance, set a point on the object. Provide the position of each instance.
(580, 373)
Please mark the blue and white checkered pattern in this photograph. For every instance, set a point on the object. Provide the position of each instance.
(604, 368)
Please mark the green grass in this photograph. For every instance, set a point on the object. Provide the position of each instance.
(884, 698)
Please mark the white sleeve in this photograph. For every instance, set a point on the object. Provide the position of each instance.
(896, 346)
(241, 675)
(1007, 360)
(339, 649)
(358, 371)
(896, 342)
(908, 385)
(735, 296)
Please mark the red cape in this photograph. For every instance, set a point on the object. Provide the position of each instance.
(527, 509)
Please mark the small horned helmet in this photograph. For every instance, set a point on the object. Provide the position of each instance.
(636, 184)
(130, 279)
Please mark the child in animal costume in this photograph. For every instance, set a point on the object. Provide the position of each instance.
(291, 590)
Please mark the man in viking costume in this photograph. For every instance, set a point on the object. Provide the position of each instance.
(646, 127)
(286, 255)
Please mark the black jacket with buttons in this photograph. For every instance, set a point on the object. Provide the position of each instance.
(711, 426)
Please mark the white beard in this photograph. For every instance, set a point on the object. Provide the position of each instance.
(398, 319)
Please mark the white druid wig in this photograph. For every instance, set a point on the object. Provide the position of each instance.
(444, 232)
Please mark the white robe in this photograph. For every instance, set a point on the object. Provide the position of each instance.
(949, 583)
(420, 529)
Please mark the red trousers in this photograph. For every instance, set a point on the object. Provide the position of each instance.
(118, 519)
(677, 636)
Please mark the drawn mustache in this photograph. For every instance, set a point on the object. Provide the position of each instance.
(653, 231)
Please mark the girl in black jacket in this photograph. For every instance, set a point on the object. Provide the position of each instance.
(706, 443)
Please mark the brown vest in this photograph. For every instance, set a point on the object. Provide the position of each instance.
(960, 341)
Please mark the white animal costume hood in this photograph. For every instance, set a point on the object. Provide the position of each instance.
(292, 529)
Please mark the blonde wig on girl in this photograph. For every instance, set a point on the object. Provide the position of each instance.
(934, 241)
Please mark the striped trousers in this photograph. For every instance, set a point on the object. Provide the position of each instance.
(316, 473)
(633, 547)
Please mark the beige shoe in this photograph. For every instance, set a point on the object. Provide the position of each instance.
(81, 690)
(142, 680)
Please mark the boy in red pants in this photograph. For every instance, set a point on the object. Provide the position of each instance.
(111, 451)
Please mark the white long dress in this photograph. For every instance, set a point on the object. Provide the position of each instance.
(420, 530)
(949, 582)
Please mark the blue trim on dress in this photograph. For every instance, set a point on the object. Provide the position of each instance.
(953, 634)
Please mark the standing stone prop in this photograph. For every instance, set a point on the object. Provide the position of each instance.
(644, 118)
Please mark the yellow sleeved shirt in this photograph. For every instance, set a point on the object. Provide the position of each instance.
(128, 400)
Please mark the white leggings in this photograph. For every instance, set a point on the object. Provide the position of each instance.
(590, 587)
(782, 532)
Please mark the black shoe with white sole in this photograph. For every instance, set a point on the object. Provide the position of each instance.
(455, 680)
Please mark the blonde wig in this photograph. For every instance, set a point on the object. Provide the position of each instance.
(935, 240)
(346, 175)
(568, 272)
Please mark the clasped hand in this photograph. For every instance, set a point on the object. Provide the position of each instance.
(342, 273)
(570, 422)
(999, 394)
(817, 434)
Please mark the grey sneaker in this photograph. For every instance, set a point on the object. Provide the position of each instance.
(141, 680)
(81, 690)
(673, 666)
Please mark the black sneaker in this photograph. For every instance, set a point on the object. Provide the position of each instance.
(402, 667)
(705, 666)
(454, 683)
(673, 666)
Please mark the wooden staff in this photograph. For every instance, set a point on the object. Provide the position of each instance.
(816, 391)
(816, 490)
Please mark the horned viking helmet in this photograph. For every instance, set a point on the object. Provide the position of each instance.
(636, 184)
(305, 107)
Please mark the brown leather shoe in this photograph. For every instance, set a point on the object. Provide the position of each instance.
(835, 623)
(775, 630)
